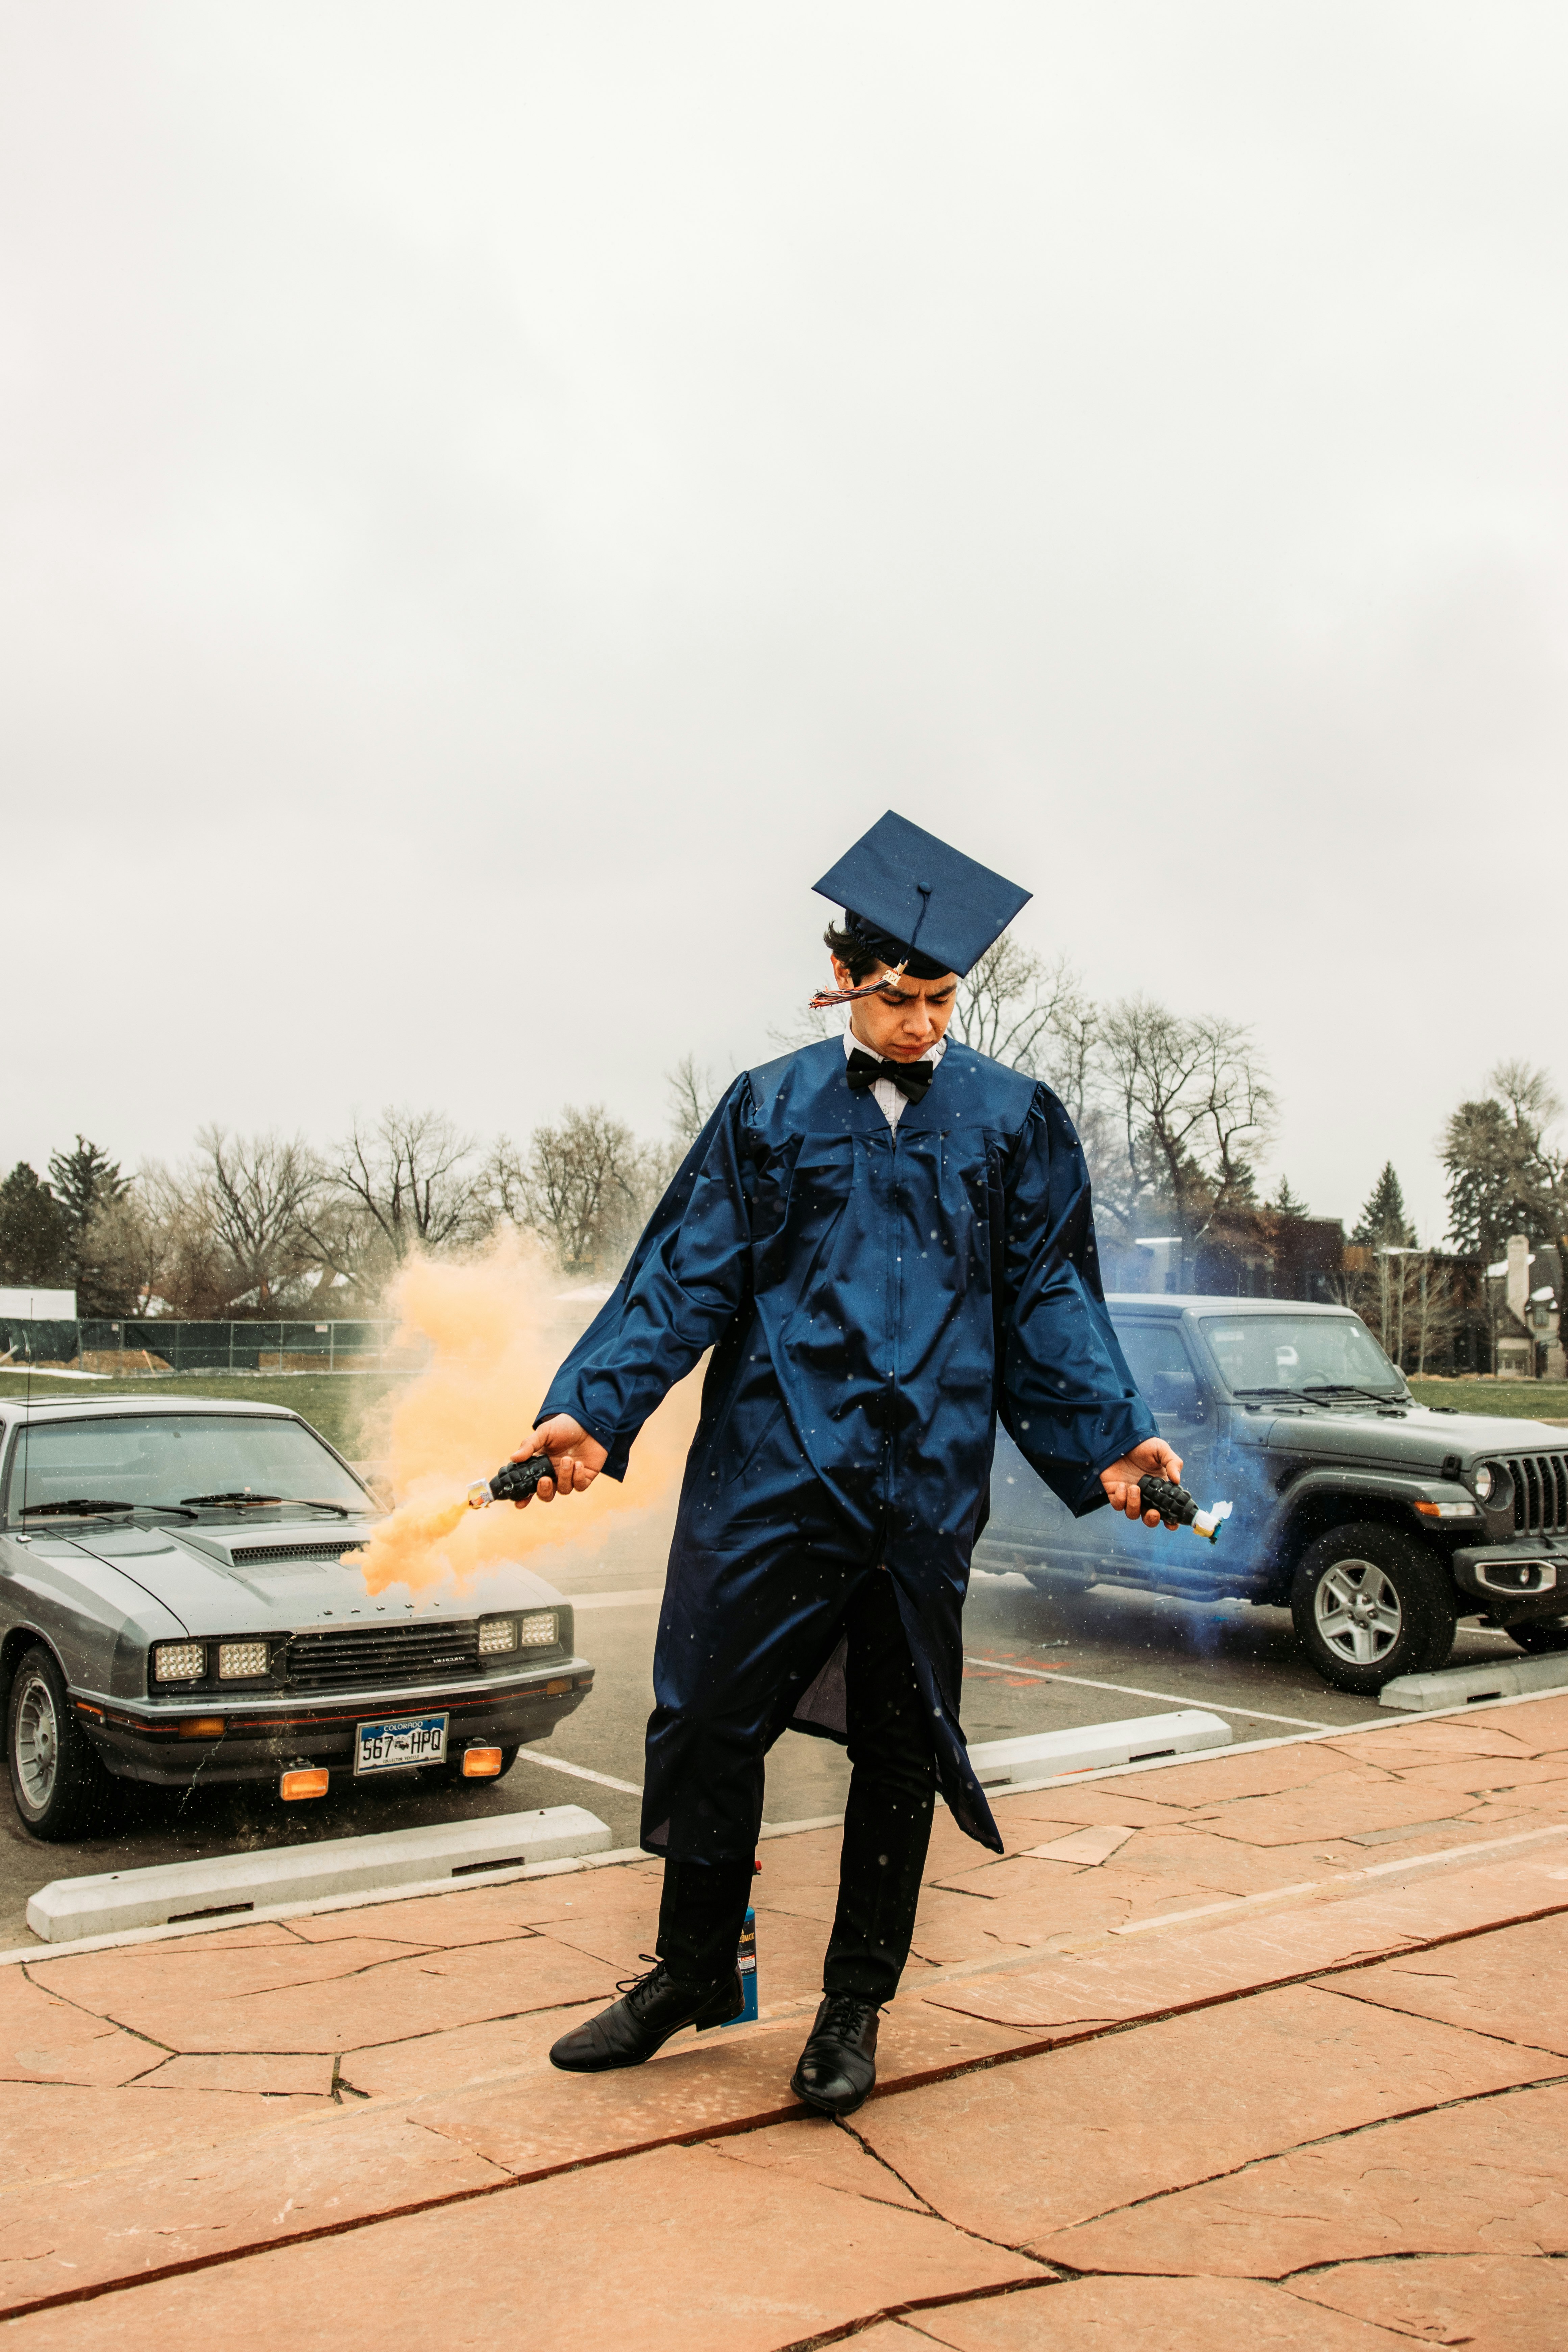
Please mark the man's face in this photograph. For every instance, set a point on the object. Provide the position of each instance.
(901, 1023)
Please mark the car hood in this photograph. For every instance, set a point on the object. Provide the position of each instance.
(1416, 1438)
(284, 1578)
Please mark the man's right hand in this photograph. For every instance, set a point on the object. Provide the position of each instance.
(575, 1458)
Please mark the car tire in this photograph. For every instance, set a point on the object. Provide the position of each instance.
(1540, 1637)
(1370, 1602)
(57, 1784)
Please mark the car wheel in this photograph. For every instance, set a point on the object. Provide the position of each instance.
(1542, 1636)
(56, 1781)
(1370, 1602)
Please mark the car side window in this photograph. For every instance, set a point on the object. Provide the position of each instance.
(1163, 1369)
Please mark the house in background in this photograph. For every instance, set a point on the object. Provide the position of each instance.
(1524, 1293)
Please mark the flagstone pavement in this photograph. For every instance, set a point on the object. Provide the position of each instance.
(1249, 2053)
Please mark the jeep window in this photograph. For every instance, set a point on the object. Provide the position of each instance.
(160, 1461)
(1160, 1366)
(1274, 1355)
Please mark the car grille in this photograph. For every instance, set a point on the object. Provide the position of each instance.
(361, 1654)
(253, 1554)
(1540, 1491)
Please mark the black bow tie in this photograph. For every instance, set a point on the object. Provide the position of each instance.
(911, 1078)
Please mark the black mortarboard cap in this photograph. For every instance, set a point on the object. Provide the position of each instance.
(911, 893)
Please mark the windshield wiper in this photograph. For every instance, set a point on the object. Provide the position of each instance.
(247, 1501)
(1284, 1392)
(1349, 1389)
(90, 1507)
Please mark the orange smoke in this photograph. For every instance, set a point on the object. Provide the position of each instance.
(498, 1326)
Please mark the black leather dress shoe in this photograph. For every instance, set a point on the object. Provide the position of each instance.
(839, 2065)
(651, 2008)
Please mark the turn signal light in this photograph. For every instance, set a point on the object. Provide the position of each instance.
(480, 1763)
(294, 1785)
(203, 1726)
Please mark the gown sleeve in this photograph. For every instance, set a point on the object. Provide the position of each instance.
(1068, 1400)
(684, 1281)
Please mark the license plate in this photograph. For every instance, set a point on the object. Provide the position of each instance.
(399, 1740)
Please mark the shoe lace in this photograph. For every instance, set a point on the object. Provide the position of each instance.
(844, 2013)
(632, 1986)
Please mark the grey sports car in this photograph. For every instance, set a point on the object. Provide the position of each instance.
(174, 1609)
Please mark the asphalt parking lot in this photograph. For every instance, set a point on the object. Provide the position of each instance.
(1037, 1663)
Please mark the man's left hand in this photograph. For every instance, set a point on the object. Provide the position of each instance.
(1152, 1459)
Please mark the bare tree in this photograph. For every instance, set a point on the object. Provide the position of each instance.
(408, 1180)
(258, 1191)
(1018, 1009)
(586, 1182)
(1193, 1104)
(692, 1096)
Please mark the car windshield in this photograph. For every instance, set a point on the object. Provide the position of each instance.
(163, 1460)
(1267, 1355)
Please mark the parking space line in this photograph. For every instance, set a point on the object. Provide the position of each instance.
(578, 1772)
(1171, 1698)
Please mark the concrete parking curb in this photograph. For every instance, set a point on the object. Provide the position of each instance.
(1466, 1686)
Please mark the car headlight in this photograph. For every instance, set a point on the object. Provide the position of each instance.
(179, 1662)
(539, 1631)
(497, 1635)
(239, 1659)
(1481, 1481)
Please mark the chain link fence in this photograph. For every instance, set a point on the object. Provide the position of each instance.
(160, 1344)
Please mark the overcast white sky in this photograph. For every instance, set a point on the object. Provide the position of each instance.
(495, 497)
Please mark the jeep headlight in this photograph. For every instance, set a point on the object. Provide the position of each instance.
(1481, 1481)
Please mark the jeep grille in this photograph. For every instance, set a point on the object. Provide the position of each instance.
(1540, 1491)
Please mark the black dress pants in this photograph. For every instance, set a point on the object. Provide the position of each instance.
(887, 1829)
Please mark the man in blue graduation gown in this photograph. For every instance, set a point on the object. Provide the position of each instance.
(886, 1241)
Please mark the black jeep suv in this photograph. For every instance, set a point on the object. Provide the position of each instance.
(1379, 1522)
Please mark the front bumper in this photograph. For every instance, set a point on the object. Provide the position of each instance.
(263, 1738)
(1514, 1582)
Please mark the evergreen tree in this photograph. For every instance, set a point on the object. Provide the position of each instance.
(35, 1242)
(1383, 1223)
(1504, 1175)
(84, 1179)
(1285, 1204)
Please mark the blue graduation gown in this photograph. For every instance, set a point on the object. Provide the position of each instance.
(874, 1297)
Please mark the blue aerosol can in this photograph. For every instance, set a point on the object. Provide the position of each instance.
(746, 1966)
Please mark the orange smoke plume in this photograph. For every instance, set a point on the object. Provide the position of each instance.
(496, 1326)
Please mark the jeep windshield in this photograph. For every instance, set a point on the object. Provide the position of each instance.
(192, 1463)
(1322, 1357)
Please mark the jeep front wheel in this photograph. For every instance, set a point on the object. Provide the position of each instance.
(1370, 1602)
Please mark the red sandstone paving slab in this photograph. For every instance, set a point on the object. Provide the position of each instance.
(772, 2261)
(1091, 1805)
(491, 1914)
(1173, 1969)
(1219, 1780)
(1424, 1743)
(1345, 1805)
(1493, 2303)
(1488, 2177)
(402, 1996)
(160, 1977)
(276, 2074)
(699, 2085)
(816, 2149)
(1145, 2316)
(55, 2132)
(1508, 1984)
(184, 2205)
(43, 2040)
(447, 2062)
(1020, 2152)
(1483, 1776)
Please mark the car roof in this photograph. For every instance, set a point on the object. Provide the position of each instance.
(1175, 1303)
(80, 1408)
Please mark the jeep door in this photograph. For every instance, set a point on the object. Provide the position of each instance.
(1166, 1374)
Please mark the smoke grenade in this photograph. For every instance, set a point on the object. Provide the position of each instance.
(514, 1482)
(1178, 1508)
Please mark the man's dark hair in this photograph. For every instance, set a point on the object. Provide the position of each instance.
(852, 948)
